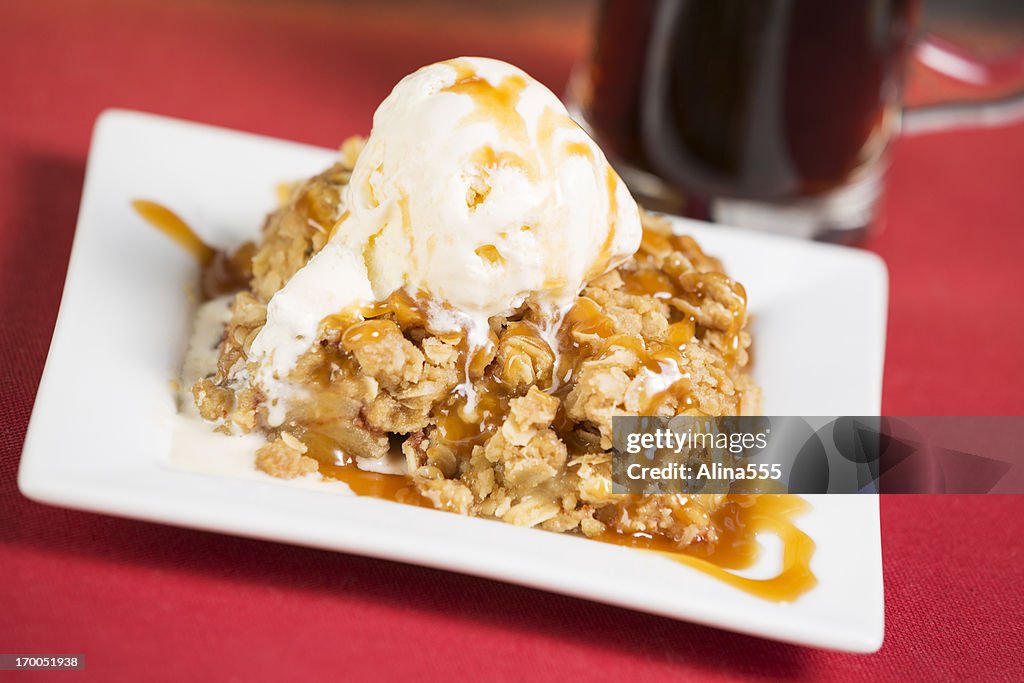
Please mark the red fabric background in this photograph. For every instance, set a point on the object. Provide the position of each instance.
(155, 603)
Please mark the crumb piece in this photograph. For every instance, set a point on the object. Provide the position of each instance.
(296, 231)
(599, 392)
(212, 401)
(390, 358)
(528, 415)
(244, 414)
(523, 361)
(387, 414)
(594, 477)
(531, 511)
(283, 457)
(527, 467)
(446, 494)
(247, 318)
(591, 527)
(682, 519)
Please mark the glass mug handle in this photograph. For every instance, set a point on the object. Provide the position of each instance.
(950, 87)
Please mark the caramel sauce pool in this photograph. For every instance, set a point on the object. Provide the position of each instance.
(740, 521)
(394, 487)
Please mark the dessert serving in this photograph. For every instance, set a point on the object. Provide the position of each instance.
(451, 314)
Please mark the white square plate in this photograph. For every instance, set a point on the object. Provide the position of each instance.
(101, 430)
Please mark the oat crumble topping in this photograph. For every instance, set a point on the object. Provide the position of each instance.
(663, 334)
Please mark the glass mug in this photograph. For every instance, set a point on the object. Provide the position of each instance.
(770, 114)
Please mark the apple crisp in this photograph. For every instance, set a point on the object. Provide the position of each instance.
(518, 429)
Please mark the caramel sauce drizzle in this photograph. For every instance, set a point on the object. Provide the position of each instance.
(680, 282)
(498, 104)
(578, 149)
(337, 224)
(170, 224)
(605, 254)
(494, 103)
(222, 272)
(486, 157)
(586, 333)
(591, 335)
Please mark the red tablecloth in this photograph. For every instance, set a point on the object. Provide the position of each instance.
(145, 602)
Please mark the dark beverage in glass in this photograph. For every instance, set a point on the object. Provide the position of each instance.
(767, 111)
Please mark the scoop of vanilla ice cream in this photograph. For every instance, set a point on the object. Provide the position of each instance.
(476, 189)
